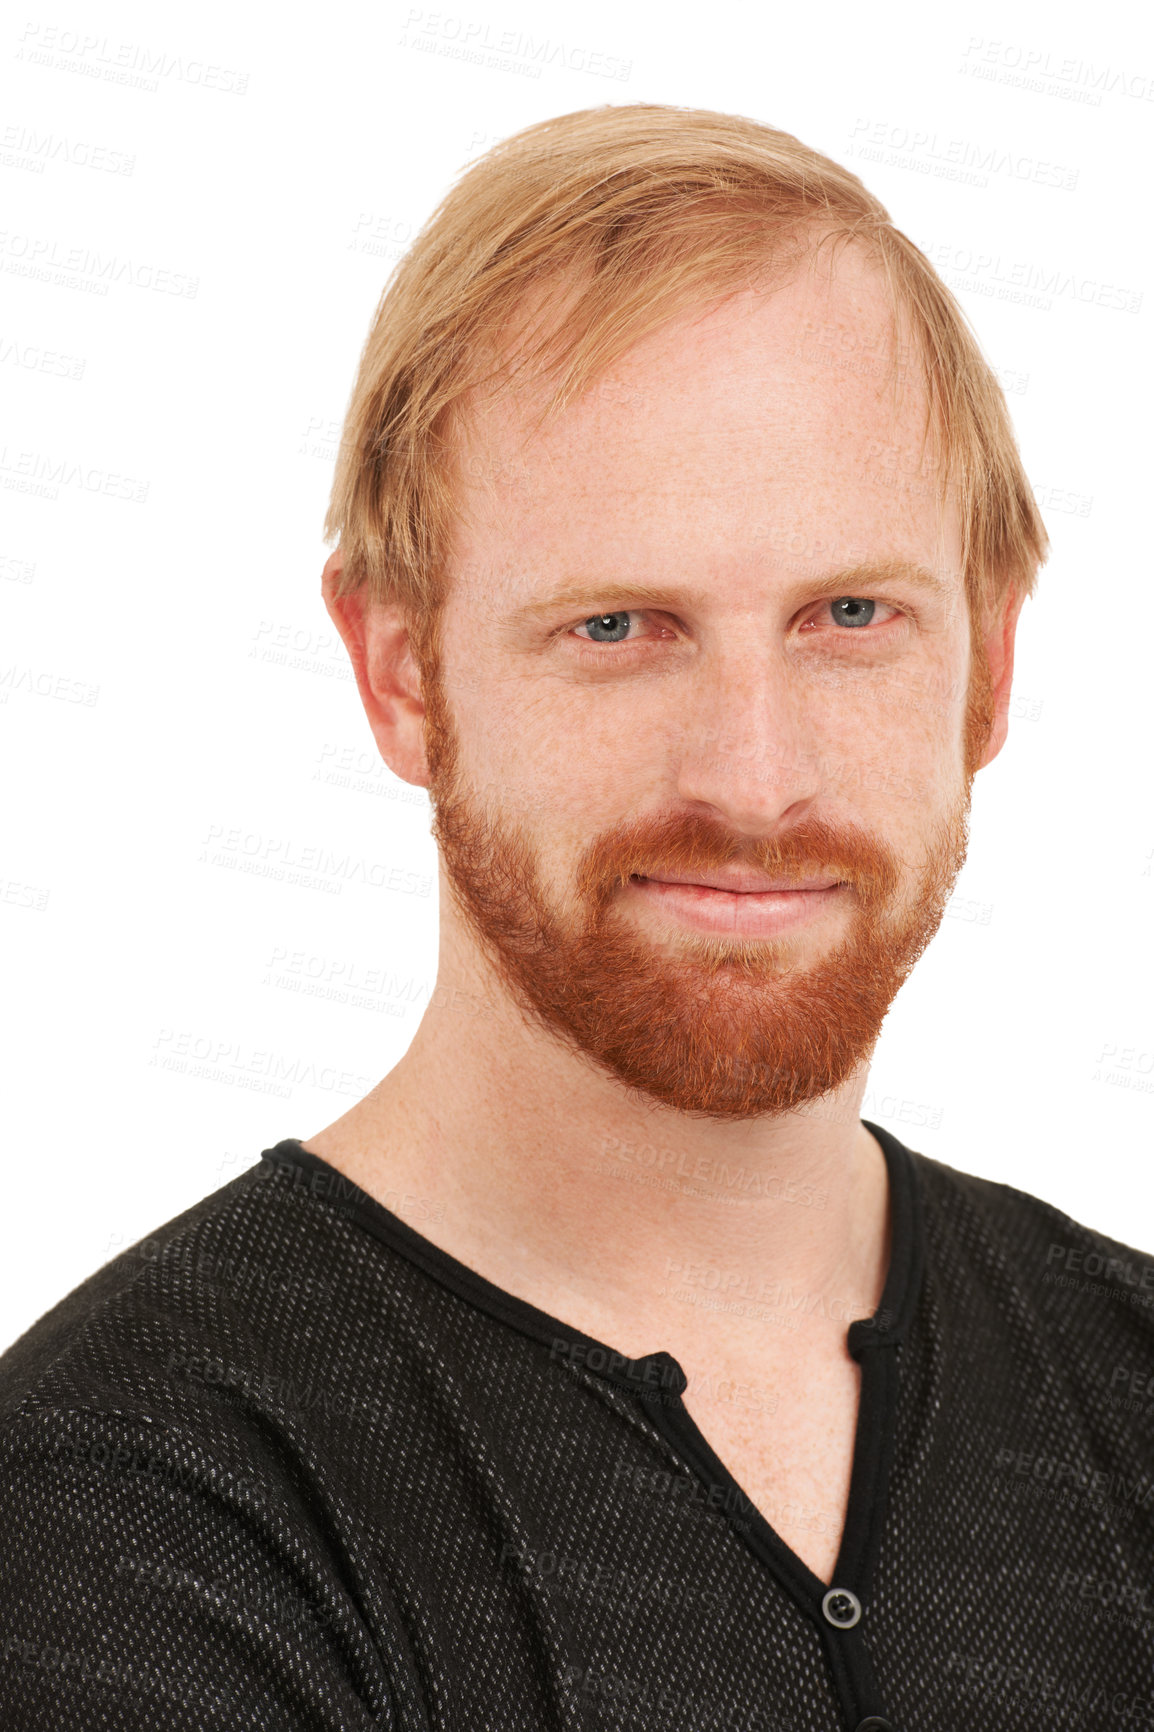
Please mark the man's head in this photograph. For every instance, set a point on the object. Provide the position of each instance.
(709, 588)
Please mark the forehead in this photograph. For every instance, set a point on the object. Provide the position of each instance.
(764, 431)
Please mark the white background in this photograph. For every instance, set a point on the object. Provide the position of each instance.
(200, 209)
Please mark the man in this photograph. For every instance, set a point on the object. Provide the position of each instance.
(603, 1368)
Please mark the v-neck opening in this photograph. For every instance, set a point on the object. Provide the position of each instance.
(867, 1340)
(660, 1380)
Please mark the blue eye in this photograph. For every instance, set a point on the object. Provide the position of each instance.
(853, 610)
(614, 626)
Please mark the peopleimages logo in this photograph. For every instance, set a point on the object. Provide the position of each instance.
(1121, 1271)
(26, 147)
(475, 40)
(1128, 1597)
(988, 1675)
(959, 159)
(131, 63)
(1098, 1482)
(1023, 64)
(40, 473)
(40, 255)
(992, 274)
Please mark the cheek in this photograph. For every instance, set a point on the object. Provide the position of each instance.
(893, 743)
(527, 769)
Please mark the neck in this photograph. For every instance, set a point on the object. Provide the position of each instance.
(639, 1225)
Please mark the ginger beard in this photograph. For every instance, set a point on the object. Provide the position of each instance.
(719, 1028)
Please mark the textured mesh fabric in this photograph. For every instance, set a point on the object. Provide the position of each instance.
(286, 1464)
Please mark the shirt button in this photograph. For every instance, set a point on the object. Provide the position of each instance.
(842, 1609)
(875, 1723)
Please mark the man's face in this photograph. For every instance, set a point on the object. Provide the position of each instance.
(713, 696)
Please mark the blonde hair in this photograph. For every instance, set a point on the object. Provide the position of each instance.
(637, 212)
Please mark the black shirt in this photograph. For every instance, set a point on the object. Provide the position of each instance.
(288, 1464)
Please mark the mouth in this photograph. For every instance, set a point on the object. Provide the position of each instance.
(740, 904)
(740, 883)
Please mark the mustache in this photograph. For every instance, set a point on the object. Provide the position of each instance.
(688, 842)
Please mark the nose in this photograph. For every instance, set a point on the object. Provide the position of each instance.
(747, 744)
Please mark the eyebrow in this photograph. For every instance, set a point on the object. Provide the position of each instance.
(853, 580)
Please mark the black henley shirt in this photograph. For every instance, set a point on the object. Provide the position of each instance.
(288, 1464)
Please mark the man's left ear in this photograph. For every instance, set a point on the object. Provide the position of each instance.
(999, 642)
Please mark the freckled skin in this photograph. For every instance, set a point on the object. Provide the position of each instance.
(672, 484)
(724, 459)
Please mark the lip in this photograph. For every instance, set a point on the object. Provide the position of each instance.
(740, 883)
(754, 913)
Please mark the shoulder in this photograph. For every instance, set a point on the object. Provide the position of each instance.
(1024, 1253)
(106, 1294)
(242, 1271)
(170, 1435)
(77, 1348)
